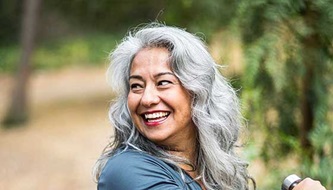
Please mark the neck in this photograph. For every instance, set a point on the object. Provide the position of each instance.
(184, 145)
(189, 152)
(185, 149)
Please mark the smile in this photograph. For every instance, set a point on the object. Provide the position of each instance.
(155, 117)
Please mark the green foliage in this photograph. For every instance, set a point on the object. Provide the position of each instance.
(81, 50)
(107, 15)
(204, 16)
(83, 17)
(9, 57)
(288, 52)
(322, 166)
(10, 14)
(118, 16)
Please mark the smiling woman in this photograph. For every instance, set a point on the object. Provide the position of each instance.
(159, 105)
(176, 118)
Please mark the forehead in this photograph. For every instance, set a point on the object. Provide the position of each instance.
(151, 60)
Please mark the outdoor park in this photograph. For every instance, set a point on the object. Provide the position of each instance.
(54, 96)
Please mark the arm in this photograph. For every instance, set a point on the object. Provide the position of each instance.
(309, 184)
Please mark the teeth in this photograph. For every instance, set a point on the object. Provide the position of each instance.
(155, 115)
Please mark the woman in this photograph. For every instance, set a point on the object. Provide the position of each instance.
(176, 118)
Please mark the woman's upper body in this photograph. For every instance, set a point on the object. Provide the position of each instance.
(134, 170)
(177, 110)
(172, 103)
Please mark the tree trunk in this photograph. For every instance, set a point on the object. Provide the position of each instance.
(311, 46)
(307, 111)
(18, 111)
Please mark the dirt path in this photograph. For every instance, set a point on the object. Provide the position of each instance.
(67, 131)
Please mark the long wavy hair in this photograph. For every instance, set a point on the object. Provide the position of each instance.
(215, 109)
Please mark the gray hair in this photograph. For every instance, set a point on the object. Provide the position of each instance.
(215, 109)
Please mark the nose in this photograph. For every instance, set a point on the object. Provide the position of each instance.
(150, 97)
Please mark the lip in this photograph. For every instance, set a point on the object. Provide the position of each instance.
(155, 122)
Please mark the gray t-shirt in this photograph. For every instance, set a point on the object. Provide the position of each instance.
(135, 170)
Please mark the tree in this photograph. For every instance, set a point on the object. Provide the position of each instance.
(18, 112)
(289, 52)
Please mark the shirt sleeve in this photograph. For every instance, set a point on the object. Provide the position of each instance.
(136, 171)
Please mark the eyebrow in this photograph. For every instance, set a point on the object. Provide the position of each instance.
(164, 73)
(155, 76)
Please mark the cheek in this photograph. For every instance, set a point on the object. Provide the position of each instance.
(132, 104)
(184, 103)
(187, 110)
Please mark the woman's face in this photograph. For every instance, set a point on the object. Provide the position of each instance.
(159, 105)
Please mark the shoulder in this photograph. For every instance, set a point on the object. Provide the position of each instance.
(132, 162)
(132, 169)
(135, 161)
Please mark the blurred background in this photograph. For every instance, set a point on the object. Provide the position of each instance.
(54, 97)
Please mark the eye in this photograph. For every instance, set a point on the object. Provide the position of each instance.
(135, 86)
(163, 83)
